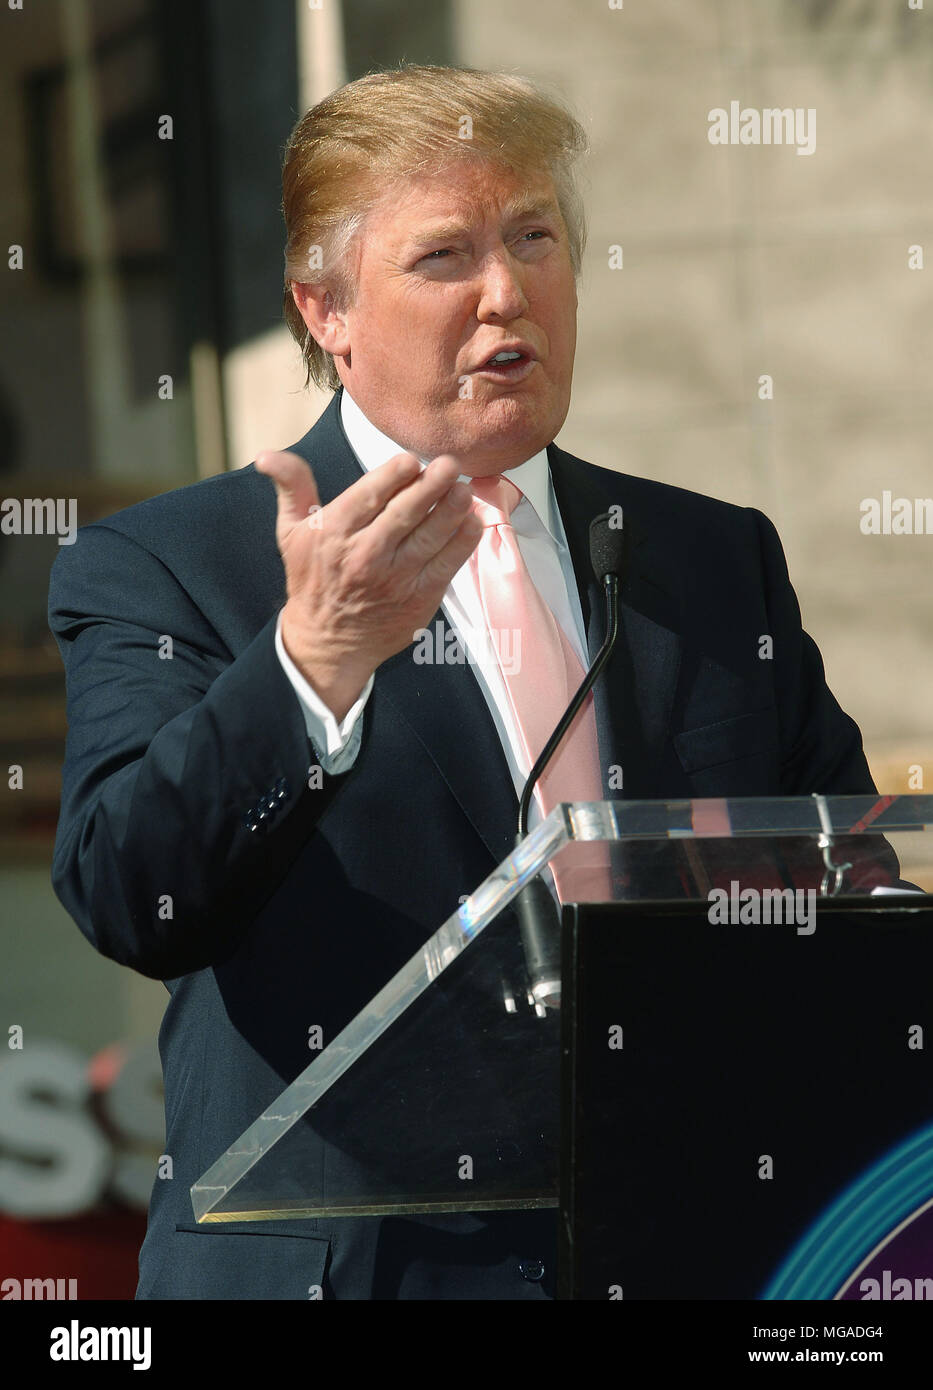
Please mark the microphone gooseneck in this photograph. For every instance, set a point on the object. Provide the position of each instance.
(606, 556)
(538, 922)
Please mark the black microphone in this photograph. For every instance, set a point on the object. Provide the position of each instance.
(537, 918)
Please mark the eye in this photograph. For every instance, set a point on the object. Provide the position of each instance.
(436, 261)
(536, 237)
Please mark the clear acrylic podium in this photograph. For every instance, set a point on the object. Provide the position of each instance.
(444, 1094)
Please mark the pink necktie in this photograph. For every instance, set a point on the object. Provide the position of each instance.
(542, 679)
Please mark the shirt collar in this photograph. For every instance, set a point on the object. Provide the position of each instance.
(374, 448)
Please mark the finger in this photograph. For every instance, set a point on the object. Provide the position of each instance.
(295, 488)
(361, 503)
(411, 505)
(439, 571)
(429, 538)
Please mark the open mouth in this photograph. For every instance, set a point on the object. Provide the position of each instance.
(508, 366)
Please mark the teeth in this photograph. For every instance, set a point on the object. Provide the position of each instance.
(506, 357)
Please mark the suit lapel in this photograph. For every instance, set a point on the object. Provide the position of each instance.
(442, 702)
(634, 696)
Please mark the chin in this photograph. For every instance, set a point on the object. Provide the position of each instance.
(516, 424)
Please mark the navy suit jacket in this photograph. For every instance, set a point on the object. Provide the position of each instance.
(299, 915)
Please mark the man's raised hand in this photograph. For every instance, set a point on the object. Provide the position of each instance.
(369, 569)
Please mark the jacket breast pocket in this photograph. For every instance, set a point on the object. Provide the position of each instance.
(211, 1263)
(733, 757)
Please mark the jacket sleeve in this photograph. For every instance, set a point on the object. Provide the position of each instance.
(185, 796)
(821, 747)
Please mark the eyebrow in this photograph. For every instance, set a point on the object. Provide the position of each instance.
(518, 210)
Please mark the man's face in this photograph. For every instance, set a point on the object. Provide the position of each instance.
(453, 269)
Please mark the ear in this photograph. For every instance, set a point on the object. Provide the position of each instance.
(323, 320)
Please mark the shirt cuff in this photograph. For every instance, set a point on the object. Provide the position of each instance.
(335, 744)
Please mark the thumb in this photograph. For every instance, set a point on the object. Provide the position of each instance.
(296, 490)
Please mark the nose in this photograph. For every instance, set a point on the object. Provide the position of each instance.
(501, 295)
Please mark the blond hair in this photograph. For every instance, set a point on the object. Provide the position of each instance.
(344, 153)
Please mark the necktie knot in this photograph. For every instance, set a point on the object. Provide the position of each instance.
(497, 498)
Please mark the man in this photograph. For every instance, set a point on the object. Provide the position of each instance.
(194, 846)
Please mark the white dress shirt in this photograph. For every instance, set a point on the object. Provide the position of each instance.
(543, 544)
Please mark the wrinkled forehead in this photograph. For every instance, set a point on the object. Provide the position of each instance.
(442, 202)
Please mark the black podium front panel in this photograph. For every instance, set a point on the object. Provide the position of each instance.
(747, 1106)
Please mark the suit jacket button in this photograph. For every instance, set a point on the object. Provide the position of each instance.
(532, 1270)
